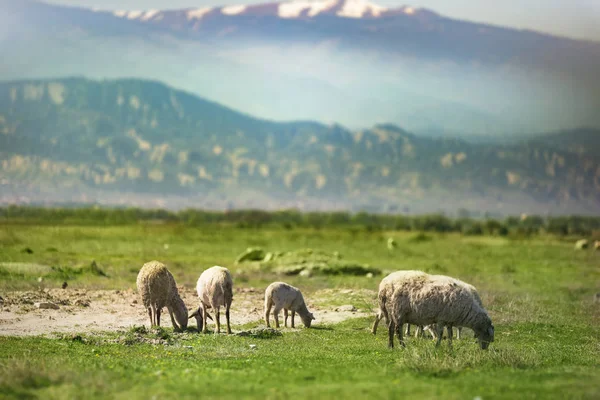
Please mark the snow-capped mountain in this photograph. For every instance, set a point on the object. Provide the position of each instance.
(291, 9)
(348, 61)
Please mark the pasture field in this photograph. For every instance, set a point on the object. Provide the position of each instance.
(539, 292)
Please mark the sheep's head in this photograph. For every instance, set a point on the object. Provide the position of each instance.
(180, 311)
(307, 319)
(485, 334)
(198, 314)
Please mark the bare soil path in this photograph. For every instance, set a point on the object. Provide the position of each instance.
(84, 311)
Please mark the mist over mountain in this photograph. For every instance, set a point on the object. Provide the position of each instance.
(137, 142)
(342, 61)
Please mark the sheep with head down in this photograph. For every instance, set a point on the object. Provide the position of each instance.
(425, 299)
(157, 288)
(384, 296)
(280, 295)
(215, 289)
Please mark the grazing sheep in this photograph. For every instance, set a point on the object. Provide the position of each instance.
(157, 287)
(581, 244)
(597, 245)
(215, 289)
(286, 297)
(427, 299)
(386, 289)
(431, 328)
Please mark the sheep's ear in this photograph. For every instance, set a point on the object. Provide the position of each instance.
(194, 314)
(312, 316)
(209, 317)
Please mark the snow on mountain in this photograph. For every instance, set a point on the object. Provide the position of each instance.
(288, 10)
(198, 13)
(294, 9)
(360, 8)
(233, 10)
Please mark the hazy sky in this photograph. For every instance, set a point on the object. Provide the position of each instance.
(573, 18)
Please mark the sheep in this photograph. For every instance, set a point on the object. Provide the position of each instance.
(426, 299)
(597, 245)
(157, 287)
(386, 289)
(431, 328)
(215, 289)
(581, 244)
(286, 297)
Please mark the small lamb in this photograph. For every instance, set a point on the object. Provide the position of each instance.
(286, 297)
(157, 287)
(215, 289)
(427, 299)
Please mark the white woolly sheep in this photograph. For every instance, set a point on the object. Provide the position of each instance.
(286, 297)
(597, 245)
(581, 244)
(386, 289)
(427, 299)
(215, 289)
(431, 328)
(157, 287)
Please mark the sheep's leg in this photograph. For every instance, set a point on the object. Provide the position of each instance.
(378, 317)
(439, 328)
(458, 332)
(399, 331)
(227, 307)
(276, 316)
(420, 331)
(150, 315)
(158, 316)
(267, 312)
(407, 329)
(285, 317)
(450, 334)
(176, 326)
(218, 319)
(293, 315)
(391, 329)
(204, 313)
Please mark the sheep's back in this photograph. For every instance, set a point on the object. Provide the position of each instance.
(155, 283)
(215, 286)
(284, 295)
(425, 300)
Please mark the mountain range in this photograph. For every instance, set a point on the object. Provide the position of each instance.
(334, 61)
(139, 142)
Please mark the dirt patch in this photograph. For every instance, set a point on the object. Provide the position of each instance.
(112, 310)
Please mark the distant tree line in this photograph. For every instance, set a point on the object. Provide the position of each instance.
(291, 219)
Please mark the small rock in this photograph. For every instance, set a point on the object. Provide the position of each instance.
(82, 303)
(369, 275)
(305, 273)
(46, 306)
(346, 308)
(40, 279)
(253, 346)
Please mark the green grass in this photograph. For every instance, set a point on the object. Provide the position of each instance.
(538, 291)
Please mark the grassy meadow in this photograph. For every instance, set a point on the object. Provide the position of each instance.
(538, 290)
